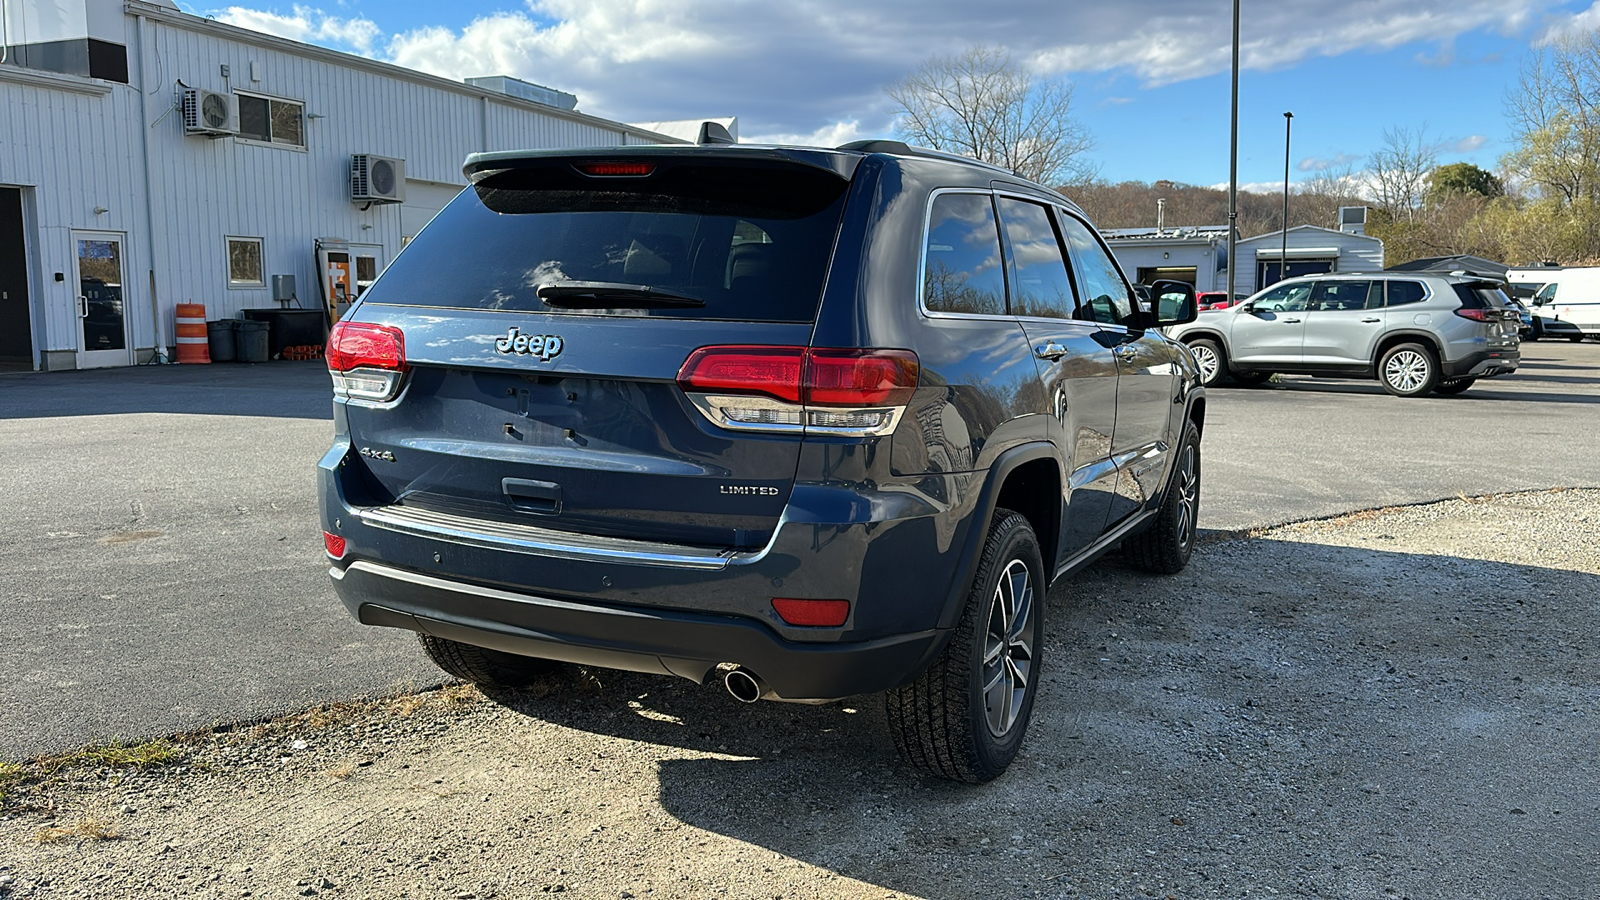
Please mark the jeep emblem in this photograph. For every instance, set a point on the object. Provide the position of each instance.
(544, 346)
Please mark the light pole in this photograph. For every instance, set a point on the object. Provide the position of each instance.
(1283, 258)
(1233, 158)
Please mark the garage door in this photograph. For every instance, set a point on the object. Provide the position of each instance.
(423, 200)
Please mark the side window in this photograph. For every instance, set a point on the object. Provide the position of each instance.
(1106, 297)
(1546, 293)
(964, 270)
(1340, 295)
(1040, 284)
(1284, 298)
(1403, 292)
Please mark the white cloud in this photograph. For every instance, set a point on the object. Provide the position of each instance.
(810, 68)
(1468, 144)
(1318, 164)
(830, 135)
(308, 26)
(1565, 24)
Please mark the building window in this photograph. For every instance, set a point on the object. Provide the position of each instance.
(244, 263)
(272, 121)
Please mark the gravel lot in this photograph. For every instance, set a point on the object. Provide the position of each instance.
(1391, 704)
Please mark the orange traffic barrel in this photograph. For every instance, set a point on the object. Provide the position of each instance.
(191, 333)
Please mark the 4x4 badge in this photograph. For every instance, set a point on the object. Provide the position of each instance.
(544, 346)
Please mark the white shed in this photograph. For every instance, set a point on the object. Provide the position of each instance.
(150, 157)
(1194, 254)
(1312, 250)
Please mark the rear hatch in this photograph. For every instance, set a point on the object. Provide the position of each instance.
(545, 315)
(1486, 303)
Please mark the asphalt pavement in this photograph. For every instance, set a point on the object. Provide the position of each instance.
(165, 570)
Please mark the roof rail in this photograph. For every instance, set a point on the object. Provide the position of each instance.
(901, 148)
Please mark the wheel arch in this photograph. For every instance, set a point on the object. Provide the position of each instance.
(1027, 480)
(1394, 338)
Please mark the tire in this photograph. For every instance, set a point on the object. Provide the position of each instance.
(485, 667)
(965, 717)
(1165, 547)
(1454, 386)
(1211, 359)
(1251, 379)
(1576, 338)
(1408, 370)
(1537, 331)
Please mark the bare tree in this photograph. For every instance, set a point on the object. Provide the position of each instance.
(981, 104)
(1399, 171)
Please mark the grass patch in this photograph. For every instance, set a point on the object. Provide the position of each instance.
(93, 829)
(136, 756)
(10, 776)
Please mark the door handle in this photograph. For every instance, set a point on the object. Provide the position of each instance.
(83, 307)
(1291, 321)
(1372, 320)
(1126, 352)
(532, 496)
(1050, 350)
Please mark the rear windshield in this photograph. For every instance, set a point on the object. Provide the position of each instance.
(750, 243)
(1481, 296)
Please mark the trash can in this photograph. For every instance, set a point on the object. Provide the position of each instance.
(219, 339)
(252, 337)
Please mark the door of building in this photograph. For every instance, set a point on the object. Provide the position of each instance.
(16, 325)
(102, 305)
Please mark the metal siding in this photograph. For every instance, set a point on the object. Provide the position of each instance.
(82, 150)
(1357, 253)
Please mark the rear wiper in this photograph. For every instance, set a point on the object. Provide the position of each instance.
(610, 295)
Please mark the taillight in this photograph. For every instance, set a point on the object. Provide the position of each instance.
(1483, 315)
(367, 361)
(823, 391)
(333, 544)
(812, 613)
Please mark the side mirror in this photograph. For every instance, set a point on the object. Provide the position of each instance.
(1174, 303)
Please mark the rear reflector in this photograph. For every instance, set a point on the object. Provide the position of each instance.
(333, 544)
(615, 169)
(353, 345)
(812, 613)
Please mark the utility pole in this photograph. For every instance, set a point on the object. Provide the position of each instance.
(1233, 159)
(1283, 258)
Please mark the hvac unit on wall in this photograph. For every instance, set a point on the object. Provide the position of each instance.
(377, 179)
(209, 113)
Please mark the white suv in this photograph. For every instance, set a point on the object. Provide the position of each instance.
(1415, 333)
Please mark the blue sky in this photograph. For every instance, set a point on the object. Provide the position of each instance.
(1151, 76)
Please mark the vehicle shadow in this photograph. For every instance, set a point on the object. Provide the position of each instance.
(1220, 732)
(296, 390)
(1483, 390)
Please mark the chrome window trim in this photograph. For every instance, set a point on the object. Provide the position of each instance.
(922, 258)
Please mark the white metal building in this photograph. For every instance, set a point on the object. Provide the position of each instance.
(1311, 250)
(114, 206)
(1194, 254)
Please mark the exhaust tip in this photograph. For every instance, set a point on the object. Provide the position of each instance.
(744, 685)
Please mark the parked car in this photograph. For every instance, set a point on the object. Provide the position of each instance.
(1416, 333)
(1524, 317)
(670, 410)
(1209, 300)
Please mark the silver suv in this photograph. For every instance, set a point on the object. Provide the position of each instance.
(1415, 333)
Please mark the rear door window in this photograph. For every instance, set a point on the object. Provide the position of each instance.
(1040, 283)
(963, 268)
(1340, 295)
(741, 242)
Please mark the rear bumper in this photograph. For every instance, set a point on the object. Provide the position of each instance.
(1483, 363)
(680, 643)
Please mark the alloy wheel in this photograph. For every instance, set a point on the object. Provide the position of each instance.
(1008, 653)
(1406, 370)
(1188, 496)
(1207, 360)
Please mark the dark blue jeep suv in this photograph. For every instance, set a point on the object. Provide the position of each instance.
(816, 422)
